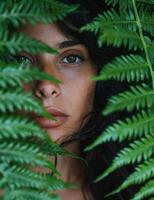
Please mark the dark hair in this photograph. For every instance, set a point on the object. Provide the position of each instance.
(99, 158)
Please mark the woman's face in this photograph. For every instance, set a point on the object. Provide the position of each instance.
(72, 99)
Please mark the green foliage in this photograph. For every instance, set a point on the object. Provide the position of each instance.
(22, 194)
(137, 97)
(129, 67)
(14, 75)
(19, 12)
(18, 42)
(23, 144)
(129, 25)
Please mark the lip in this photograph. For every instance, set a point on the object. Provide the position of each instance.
(59, 115)
(55, 111)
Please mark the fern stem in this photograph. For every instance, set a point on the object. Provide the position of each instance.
(139, 25)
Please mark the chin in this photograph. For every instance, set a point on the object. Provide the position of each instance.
(58, 136)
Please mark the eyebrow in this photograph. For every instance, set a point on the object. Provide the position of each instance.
(68, 43)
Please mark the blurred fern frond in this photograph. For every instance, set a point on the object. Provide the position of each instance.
(18, 12)
(24, 145)
(22, 41)
(14, 75)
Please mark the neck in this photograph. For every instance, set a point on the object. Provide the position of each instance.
(71, 169)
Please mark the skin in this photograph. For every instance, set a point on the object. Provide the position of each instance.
(74, 95)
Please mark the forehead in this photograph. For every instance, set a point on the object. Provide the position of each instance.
(47, 33)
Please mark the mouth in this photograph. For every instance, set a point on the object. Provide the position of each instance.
(60, 118)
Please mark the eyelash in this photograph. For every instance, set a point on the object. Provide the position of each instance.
(78, 59)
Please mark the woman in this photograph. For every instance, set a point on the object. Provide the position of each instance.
(77, 101)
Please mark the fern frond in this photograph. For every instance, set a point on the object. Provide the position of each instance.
(131, 27)
(130, 68)
(111, 2)
(4, 37)
(49, 147)
(145, 1)
(22, 140)
(141, 174)
(58, 9)
(15, 74)
(12, 100)
(23, 153)
(110, 19)
(145, 191)
(21, 177)
(136, 151)
(126, 4)
(33, 12)
(116, 31)
(128, 18)
(121, 37)
(131, 128)
(18, 127)
(22, 194)
(21, 41)
(122, 4)
(147, 20)
(136, 98)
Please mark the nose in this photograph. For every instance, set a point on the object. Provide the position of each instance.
(47, 89)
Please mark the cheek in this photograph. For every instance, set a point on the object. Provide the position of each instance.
(88, 96)
(84, 96)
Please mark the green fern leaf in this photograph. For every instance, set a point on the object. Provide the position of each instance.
(136, 151)
(14, 74)
(25, 101)
(17, 126)
(146, 1)
(141, 174)
(21, 141)
(23, 153)
(117, 30)
(22, 41)
(130, 68)
(131, 27)
(136, 98)
(52, 149)
(137, 126)
(21, 177)
(33, 11)
(145, 191)
(147, 20)
(121, 37)
(111, 2)
(56, 8)
(111, 19)
(122, 4)
(29, 194)
(127, 18)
